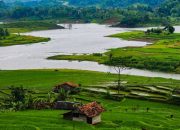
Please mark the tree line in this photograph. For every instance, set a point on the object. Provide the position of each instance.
(132, 16)
(167, 29)
(113, 3)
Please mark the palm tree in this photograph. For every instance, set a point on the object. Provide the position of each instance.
(63, 95)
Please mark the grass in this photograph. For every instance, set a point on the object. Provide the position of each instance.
(27, 26)
(42, 81)
(141, 36)
(118, 115)
(163, 55)
(15, 39)
(46, 79)
(84, 57)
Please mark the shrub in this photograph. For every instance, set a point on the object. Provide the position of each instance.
(169, 29)
(97, 54)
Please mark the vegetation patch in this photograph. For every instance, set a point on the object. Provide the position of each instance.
(8, 39)
(27, 26)
(126, 13)
(127, 109)
(42, 81)
(123, 114)
(15, 39)
(46, 79)
(126, 115)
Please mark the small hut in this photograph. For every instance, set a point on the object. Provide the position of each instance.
(67, 86)
(89, 113)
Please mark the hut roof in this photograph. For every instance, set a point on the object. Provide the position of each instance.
(69, 84)
(91, 109)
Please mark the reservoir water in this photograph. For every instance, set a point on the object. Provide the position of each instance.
(82, 38)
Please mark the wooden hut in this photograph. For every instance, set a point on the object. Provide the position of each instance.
(89, 113)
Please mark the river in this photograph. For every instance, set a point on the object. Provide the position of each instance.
(82, 38)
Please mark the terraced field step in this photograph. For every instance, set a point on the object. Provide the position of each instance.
(151, 92)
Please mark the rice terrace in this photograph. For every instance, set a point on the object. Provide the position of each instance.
(89, 65)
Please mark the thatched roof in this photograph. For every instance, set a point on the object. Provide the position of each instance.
(73, 85)
(91, 109)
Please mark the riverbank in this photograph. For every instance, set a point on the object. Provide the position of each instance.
(15, 39)
(28, 26)
(162, 55)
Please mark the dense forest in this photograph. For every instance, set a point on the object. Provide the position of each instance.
(138, 13)
(83, 3)
(114, 3)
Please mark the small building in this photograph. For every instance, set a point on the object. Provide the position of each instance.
(65, 105)
(67, 86)
(89, 113)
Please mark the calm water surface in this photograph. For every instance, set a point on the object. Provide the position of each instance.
(82, 38)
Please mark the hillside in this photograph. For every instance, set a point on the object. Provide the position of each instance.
(170, 7)
(114, 3)
(83, 3)
(33, 3)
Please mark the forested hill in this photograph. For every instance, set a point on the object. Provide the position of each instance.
(88, 3)
(130, 13)
(34, 3)
(114, 3)
(170, 8)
